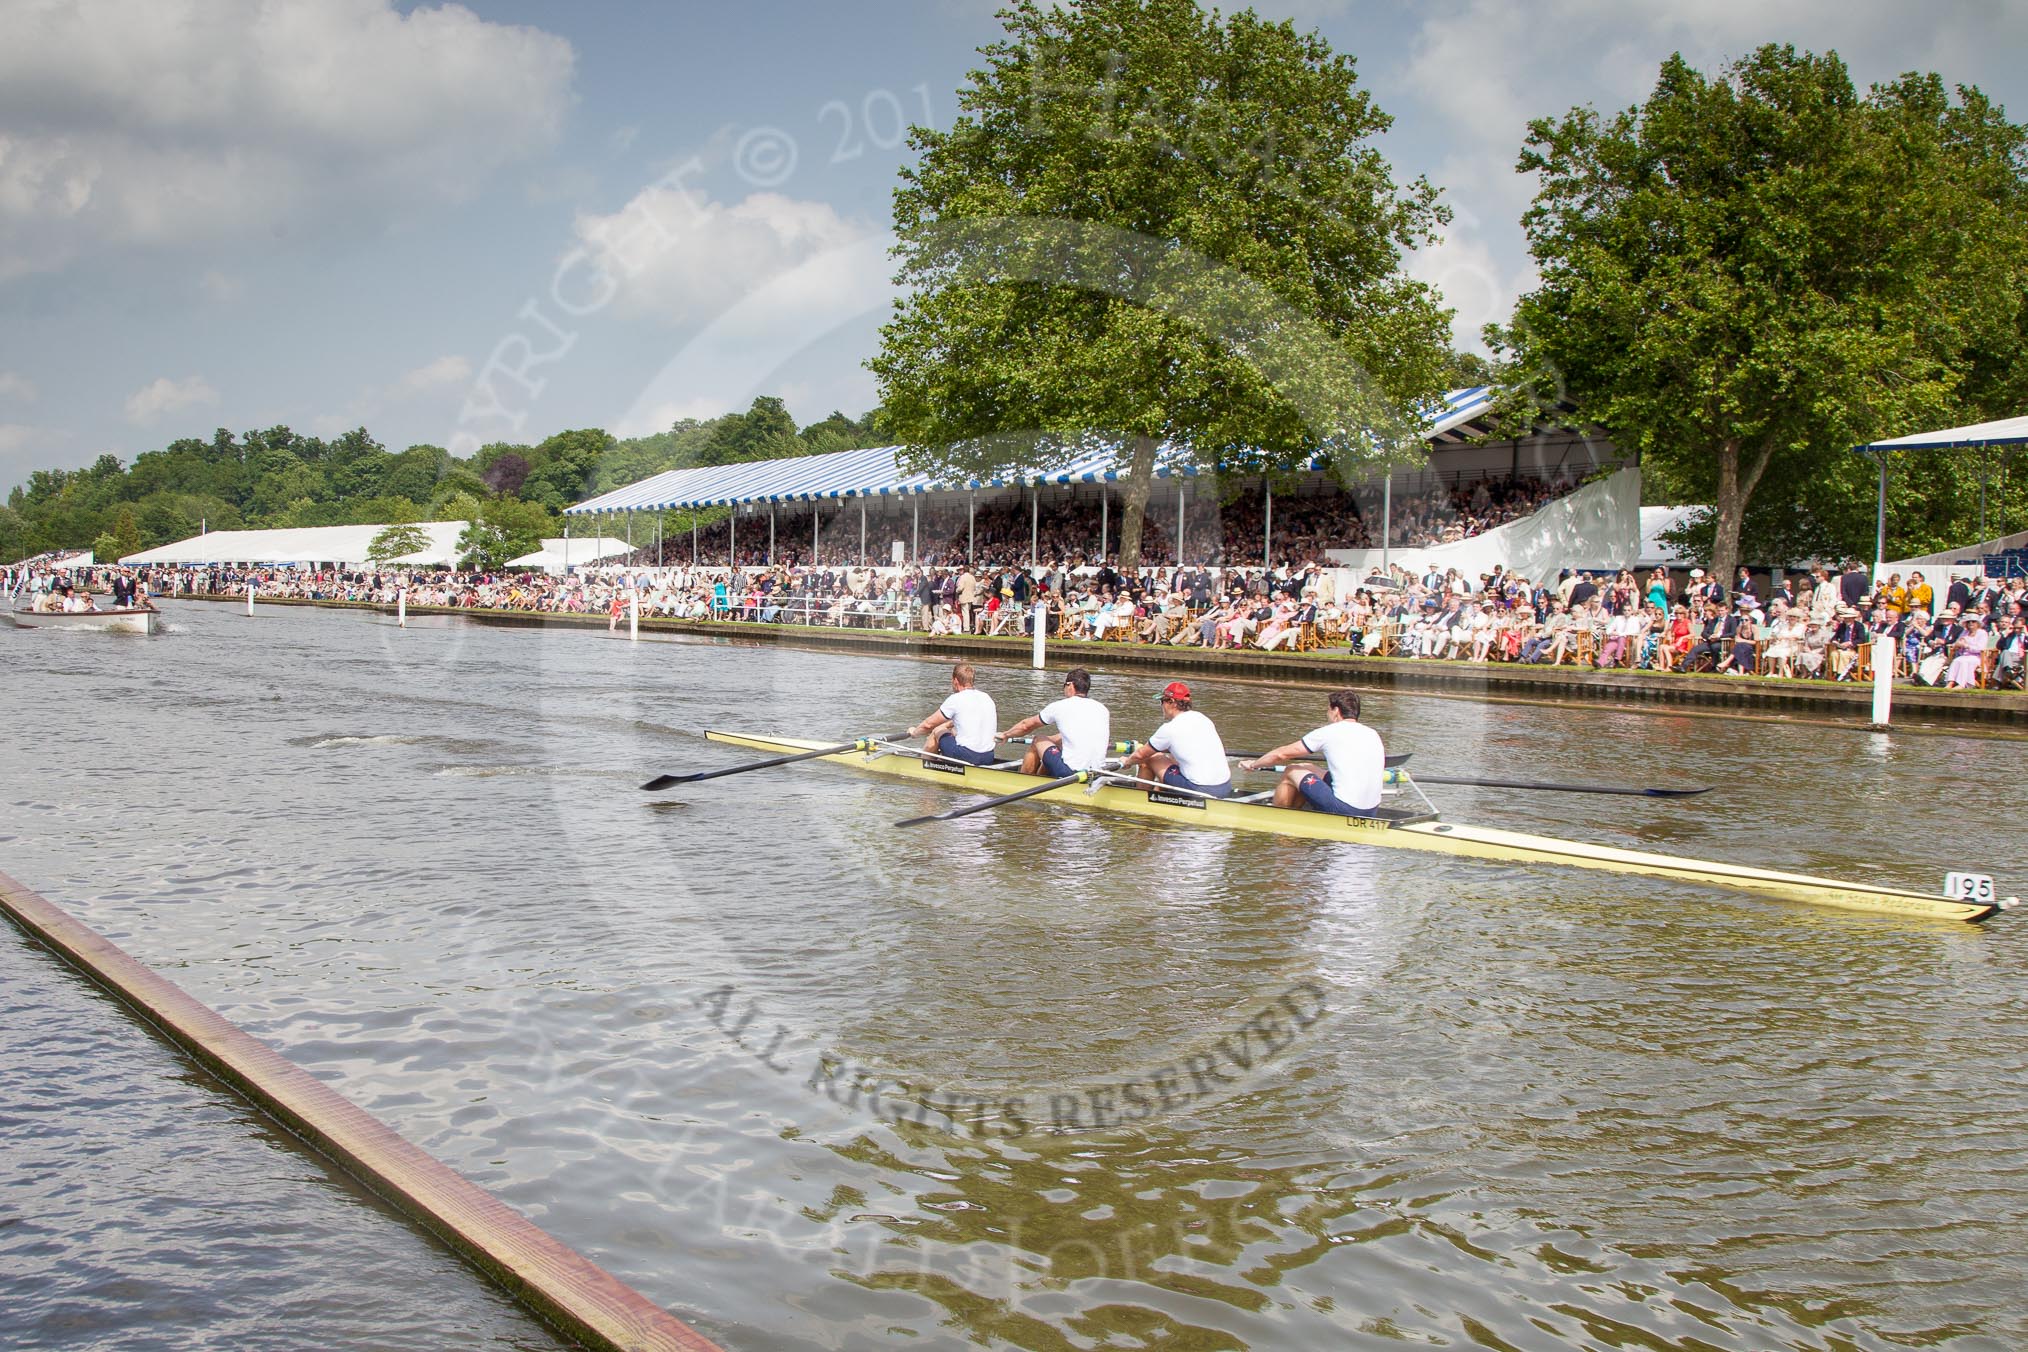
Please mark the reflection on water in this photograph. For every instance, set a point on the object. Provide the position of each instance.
(698, 1034)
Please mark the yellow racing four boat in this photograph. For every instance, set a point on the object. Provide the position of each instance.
(1394, 829)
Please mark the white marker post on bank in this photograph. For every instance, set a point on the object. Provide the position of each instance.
(633, 614)
(1041, 631)
(249, 595)
(1883, 680)
(401, 607)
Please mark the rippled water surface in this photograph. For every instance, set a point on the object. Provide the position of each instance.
(811, 1081)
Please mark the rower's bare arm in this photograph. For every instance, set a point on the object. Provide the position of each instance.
(1023, 728)
(1293, 751)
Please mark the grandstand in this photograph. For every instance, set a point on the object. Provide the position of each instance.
(863, 507)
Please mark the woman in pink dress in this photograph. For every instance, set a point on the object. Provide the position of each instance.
(1971, 655)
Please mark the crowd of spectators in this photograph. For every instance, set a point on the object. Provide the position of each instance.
(1818, 624)
(1215, 534)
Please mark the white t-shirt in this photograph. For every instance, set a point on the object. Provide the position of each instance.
(974, 720)
(1087, 728)
(1356, 759)
(1195, 744)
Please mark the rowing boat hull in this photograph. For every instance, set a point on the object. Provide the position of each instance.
(131, 621)
(1471, 842)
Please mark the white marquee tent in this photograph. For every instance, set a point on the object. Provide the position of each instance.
(563, 553)
(308, 546)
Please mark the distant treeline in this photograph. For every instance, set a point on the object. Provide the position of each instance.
(278, 478)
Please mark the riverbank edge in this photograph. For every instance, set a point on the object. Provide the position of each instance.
(552, 1281)
(1549, 685)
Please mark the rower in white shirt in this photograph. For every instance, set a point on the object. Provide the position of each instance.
(962, 727)
(1185, 751)
(1355, 760)
(1083, 736)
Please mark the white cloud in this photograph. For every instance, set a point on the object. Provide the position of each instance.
(451, 370)
(221, 288)
(15, 386)
(1473, 283)
(17, 437)
(681, 257)
(164, 396)
(162, 122)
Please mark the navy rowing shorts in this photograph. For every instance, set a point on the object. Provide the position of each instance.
(948, 746)
(1316, 791)
(1174, 776)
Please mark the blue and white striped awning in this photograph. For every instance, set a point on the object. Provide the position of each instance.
(876, 472)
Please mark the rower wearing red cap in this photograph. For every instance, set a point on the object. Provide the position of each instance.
(1185, 752)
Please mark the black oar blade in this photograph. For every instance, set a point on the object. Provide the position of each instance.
(661, 782)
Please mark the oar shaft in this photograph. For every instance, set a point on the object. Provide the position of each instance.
(957, 812)
(1542, 787)
(858, 744)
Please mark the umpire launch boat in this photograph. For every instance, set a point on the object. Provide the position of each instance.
(131, 620)
(1970, 896)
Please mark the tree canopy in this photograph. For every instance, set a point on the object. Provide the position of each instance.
(1748, 275)
(278, 477)
(1151, 223)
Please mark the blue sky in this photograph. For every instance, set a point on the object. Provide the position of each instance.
(461, 224)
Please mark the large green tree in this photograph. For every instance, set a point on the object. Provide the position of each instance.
(1748, 275)
(1151, 223)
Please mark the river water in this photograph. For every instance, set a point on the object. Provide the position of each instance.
(1041, 1079)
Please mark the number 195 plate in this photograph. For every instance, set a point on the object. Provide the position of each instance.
(1968, 886)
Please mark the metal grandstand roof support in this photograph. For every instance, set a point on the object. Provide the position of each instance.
(771, 535)
(1386, 520)
(1105, 522)
(732, 538)
(916, 552)
(971, 526)
(862, 532)
(1181, 488)
(1267, 530)
(1976, 436)
(1034, 523)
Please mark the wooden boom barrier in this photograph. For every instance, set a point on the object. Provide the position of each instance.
(560, 1286)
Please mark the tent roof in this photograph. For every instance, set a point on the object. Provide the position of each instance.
(2001, 432)
(558, 553)
(303, 544)
(875, 471)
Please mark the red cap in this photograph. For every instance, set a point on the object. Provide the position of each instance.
(1176, 690)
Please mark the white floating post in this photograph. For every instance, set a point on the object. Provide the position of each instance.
(1883, 680)
(634, 614)
(401, 607)
(249, 595)
(1041, 631)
